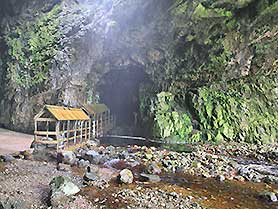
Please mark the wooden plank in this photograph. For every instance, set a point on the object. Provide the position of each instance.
(39, 114)
(46, 142)
(50, 133)
(46, 119)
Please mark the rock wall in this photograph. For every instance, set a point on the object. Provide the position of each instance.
(200, 52)
(57, 51)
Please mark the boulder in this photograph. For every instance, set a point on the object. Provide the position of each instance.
(69, 157)
(93, 156)
(83, 163)
(7, 158)
(62, 188)
(27, 154)
(269, 196)
(126, 176)
(12, 204)
(150, 177)
(154, 168)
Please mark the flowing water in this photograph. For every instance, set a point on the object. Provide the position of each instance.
(207, 191)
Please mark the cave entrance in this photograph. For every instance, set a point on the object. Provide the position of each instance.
(119, 90)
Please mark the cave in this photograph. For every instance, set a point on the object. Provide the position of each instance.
(119, 90)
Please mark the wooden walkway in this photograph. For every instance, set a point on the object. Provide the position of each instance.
(11, 141)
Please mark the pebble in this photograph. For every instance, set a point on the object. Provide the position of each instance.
(220, 178)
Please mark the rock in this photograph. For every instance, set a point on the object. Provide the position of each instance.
(150, 177)
(126, 176)
(93, 143)
(123, 155)
(220, 178)
(93, 156)
(148, 156)
(83, 163)
(12, 204)
(7, 158)
(63, 167)
(239, 178)
(90, 176)
(69, 157)
(62, 188)
(154, 168)
(27, 154)
(270, 196)
(271, 180)
(205, 174)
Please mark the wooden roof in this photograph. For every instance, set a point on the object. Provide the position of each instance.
(67, 113)
(95, 108)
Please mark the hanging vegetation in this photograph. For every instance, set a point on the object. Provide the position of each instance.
(32, 46)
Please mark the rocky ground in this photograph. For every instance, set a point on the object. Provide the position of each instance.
(203, 176)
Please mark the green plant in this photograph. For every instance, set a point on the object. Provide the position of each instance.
(170, 121)
(242, 110)
(32, 46)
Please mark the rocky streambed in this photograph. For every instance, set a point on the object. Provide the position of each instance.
(202, 176)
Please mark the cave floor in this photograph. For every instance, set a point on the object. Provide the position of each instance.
(11, 141)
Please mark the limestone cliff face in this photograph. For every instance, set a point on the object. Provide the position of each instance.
(202, 52)
(94, 37)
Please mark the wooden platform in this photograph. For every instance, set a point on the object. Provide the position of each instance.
(11, 141)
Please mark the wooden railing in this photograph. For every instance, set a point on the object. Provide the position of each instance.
(102, 124)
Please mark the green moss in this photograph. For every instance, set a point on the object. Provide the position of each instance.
(32, 46)
(172, 123)
(271, 10)
(203, 12)
(243, 110)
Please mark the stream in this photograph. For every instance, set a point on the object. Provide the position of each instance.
(208, 192)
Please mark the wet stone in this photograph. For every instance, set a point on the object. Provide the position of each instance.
(220, 178)
(150, 177)
(270, 196)
(69, 157)
(93, 156)
(7, 158)
(126, 176)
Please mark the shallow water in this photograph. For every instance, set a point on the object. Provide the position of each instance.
(207, 192)
(222, 195)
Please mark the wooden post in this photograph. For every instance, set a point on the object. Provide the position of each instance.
(90, 126)
(57, 134)
(86, 130)
(104, 122)
(96, 125)
(74, 139)
(36, 129)
(81, 132)
(109, 120)
(68, 132)
(47, 129)
(101, 124)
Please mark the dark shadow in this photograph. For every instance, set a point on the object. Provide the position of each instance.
(119, 90)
